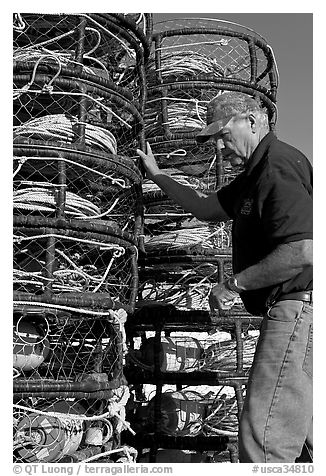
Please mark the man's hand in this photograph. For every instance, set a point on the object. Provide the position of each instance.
(149, 162)
(221, 298)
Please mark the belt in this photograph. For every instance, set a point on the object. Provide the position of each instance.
(305, 296)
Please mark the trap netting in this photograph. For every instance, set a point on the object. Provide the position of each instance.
(183, 277)
(63, 350)
(212, 50)
(70, 430)
(70, 111)
(80, 263)
(63, 182)
(112, 47)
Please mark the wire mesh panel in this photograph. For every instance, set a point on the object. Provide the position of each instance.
(71, 110)
(58, 262)
(62, 182)
(111, 46)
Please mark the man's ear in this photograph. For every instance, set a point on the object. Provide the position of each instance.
(253, 122)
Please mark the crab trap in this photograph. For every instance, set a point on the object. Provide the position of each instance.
(74, 111)
(197, 59)
(212, 50)
(54, 181)
(182, 277)
(110, 46)
(70, 430)
(76, 264)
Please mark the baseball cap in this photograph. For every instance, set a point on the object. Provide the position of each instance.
(222, 108)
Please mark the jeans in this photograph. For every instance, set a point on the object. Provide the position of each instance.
(276, 420)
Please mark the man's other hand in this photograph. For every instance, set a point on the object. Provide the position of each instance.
(221, 298)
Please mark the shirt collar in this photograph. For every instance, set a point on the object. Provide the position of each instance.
(259, 152)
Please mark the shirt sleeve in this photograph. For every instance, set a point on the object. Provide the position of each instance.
(228, 195)
(286, 211)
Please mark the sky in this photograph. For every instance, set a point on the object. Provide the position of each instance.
(291, 37)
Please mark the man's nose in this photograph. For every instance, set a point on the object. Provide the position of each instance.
(220, 144)
(225, 150)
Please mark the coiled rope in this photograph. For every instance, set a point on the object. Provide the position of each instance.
(60, 127)
(182, 116)
(42, 199)
(77, 279)
(187, 64)
(204, 236)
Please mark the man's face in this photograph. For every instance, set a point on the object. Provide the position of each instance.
(235, 139)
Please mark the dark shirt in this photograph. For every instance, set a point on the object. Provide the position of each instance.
(270, 204)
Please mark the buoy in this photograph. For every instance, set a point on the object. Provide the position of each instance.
(48, 438)
(181, 412)
(30, 346)
(176, 353)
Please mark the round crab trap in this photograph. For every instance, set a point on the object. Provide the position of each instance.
(212, 50)
(58, 350)
(183, 277)
(74, 110)
(63, 182)
(197, 59)
(69, 430)
(113, 46)
(77, 263)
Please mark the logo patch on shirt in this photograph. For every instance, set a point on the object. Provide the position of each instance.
(246, 208)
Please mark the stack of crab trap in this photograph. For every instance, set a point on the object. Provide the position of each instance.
(197, 363)
(79, 98)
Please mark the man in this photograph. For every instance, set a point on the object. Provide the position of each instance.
(270, 204)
